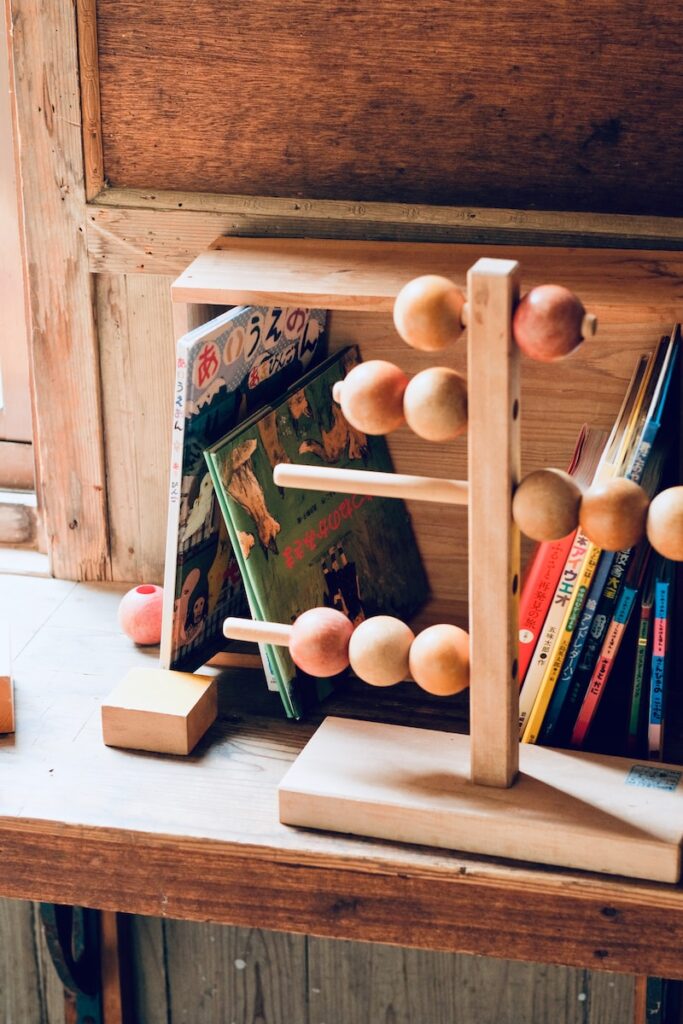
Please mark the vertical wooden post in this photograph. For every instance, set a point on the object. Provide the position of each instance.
(494, 457)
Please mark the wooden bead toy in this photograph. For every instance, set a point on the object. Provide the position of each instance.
(378, 650)
(428, 312)
(154, 709)
(546, 503)
(613, 514)
(435, 404)
(550, 322)
(665, 523)
(318, 639)
(439, 660)
(371, 396)
(139, 614)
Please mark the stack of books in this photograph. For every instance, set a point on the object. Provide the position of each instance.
(596, 643)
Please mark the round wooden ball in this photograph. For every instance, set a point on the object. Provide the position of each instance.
(547, 323)
(139, 614)
(435, 404)
(613, 514)
(545, 505)
(665, 523)
(319, 642)
(371, 396)
(439, 660)
(378, 650)
(428, 312)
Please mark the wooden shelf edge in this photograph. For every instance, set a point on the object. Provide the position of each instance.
(491, 911)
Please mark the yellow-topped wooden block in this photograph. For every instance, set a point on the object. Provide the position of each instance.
(6, 688)
(155, 709)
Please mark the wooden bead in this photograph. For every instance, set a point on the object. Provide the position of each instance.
(548, 323)
(665, 523)
(428, 312)
(371, 396)
(139, 614)
(613, 514)
(378, 650)
(435, 404)
(545, 506)
(319, 642)
(439, 660)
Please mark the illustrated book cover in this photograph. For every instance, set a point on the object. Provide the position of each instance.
(301, 549)
(224, 370)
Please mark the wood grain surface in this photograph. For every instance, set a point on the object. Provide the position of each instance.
(428, 102)
(199, 837)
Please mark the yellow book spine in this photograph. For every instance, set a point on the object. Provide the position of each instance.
(571, 617)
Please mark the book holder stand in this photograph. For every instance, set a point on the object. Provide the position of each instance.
(484, 793)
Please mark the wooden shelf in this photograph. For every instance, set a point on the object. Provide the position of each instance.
(199, 837)
(622, 285)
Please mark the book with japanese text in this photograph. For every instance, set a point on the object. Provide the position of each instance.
(224, 370)
(536, 689)
(550, 557)
(300, 549)
(661, 655)
(639, 695)
(645, 461)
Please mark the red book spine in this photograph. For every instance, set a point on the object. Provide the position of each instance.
(537, 594)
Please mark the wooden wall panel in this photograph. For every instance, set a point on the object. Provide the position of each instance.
(137, 356)
(419, 101)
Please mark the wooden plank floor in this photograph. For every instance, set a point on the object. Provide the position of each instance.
(199, 837)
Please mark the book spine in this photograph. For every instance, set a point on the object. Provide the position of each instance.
(554, 623)
(554, 669)
(581, 659)
(601, 674)
(639, 676)
(166, 644)
(658, 669)
(537, 594)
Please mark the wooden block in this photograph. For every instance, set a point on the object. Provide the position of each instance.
(6, 687)
(154, 709)
(569, 808)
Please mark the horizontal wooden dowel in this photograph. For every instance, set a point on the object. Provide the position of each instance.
(378, 485)
(257, 632)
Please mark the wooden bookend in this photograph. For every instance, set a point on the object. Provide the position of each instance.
(6, 687)
(154, 709)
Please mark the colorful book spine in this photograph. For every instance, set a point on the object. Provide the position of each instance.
(552, 673)
(537, 594)
(610, 648)
(639, 673)
(659, 665)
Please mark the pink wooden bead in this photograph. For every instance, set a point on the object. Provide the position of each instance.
(319, 642)
(140, 614)
(548, 322)
(372, 396)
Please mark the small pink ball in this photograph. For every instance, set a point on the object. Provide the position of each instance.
(140, 614)
(319, 643)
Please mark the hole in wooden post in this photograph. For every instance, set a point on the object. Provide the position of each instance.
(515, 409)
(515, 583)
(515, 666)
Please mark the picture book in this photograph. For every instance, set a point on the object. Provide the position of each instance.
(563, 606)
(301, 549)
(644, 466)
(224, 370)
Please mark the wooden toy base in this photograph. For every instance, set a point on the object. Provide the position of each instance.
(566, 808)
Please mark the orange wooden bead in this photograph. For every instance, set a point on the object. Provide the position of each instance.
(439, 660)
(549, 323)
(545, 506)
(665, 523)
(613, 514)
(428, 312)
(378, 650)
(371, 396)
(435, 404)
(319, 642)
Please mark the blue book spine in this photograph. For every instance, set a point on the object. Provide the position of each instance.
(658, 668)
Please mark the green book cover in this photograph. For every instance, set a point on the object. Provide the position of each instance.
(301, 549)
